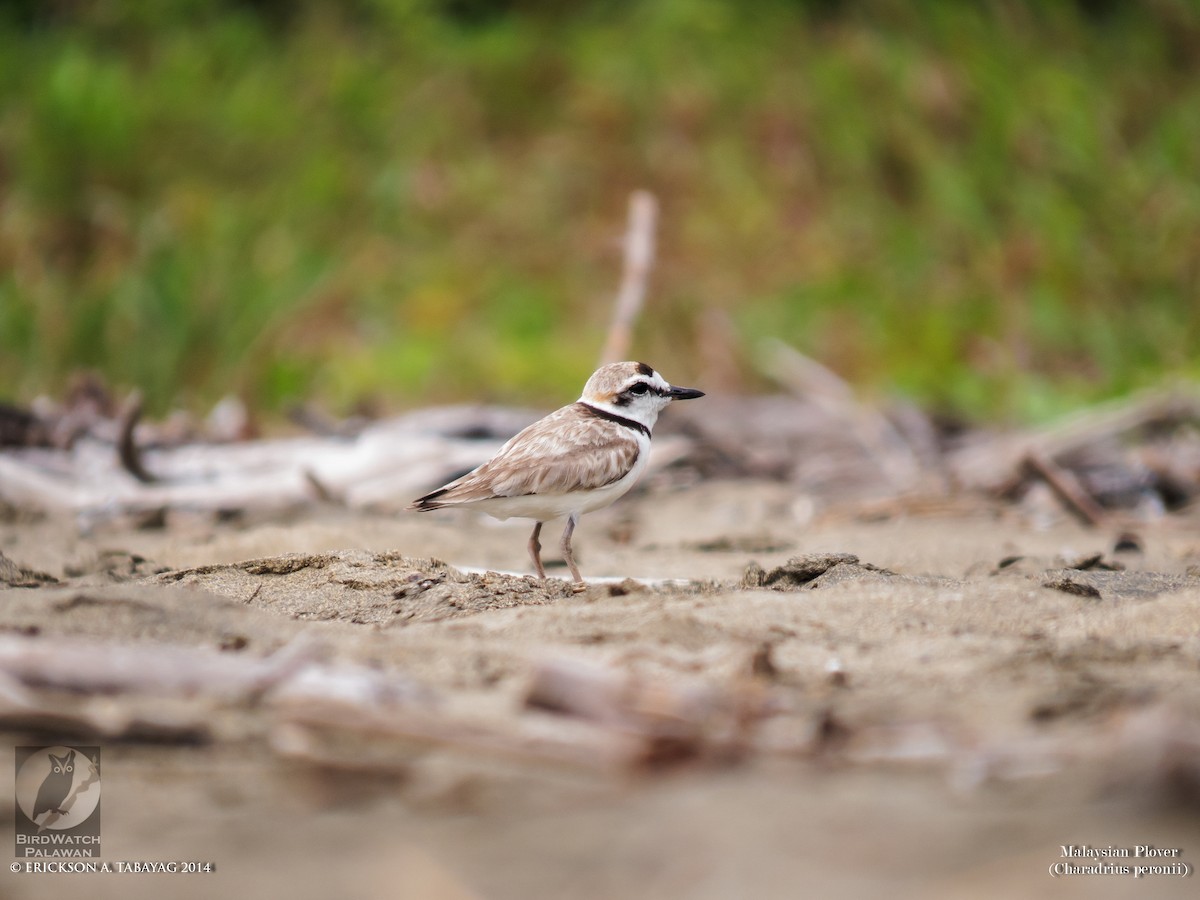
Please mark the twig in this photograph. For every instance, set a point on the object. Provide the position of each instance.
(127, 448)
(1067, 488)
(639, 258)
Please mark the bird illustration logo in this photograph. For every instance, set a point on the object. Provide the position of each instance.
(58, 787)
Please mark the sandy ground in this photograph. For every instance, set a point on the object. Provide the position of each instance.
(943, 720)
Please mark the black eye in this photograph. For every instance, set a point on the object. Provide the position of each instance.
(640, 388)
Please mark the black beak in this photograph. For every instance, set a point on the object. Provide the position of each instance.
(678, 393)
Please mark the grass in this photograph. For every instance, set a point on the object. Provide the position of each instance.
(991, 208)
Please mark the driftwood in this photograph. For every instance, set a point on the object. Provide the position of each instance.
(671, 723)
(1138, 457)
(989, 462)
(127, 448)
(341, 685)
(601, 719)
(1068, 489)
(161, 692)
(21, 428)
(96, 667)
(293, 676)
(1136, 454)
(303, 734)
(626, 727)
(387, 464)
(885, 445)
(625, 723)
(97, 459)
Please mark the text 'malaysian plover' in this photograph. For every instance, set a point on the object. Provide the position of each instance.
(577, 459)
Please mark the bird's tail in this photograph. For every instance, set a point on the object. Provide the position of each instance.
(429, 501)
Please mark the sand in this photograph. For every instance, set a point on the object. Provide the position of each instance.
(955, 697)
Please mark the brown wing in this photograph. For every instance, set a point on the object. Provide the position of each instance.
(560, 453)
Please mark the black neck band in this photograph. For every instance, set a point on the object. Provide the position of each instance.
(613, 417)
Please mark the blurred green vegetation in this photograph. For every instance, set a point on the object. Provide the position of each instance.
(992, 208)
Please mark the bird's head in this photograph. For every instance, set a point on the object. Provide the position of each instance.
(633, 390)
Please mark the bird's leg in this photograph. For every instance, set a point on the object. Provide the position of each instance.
(535, 550)
(566, 548)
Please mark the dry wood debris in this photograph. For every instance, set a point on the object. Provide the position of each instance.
(1121, 463)
(166, 692)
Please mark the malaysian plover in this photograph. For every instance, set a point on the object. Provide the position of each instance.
(577, 459)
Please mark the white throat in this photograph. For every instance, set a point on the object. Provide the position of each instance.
(644, 410)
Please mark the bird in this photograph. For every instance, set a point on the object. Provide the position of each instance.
(577, 459)
(56, 785)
